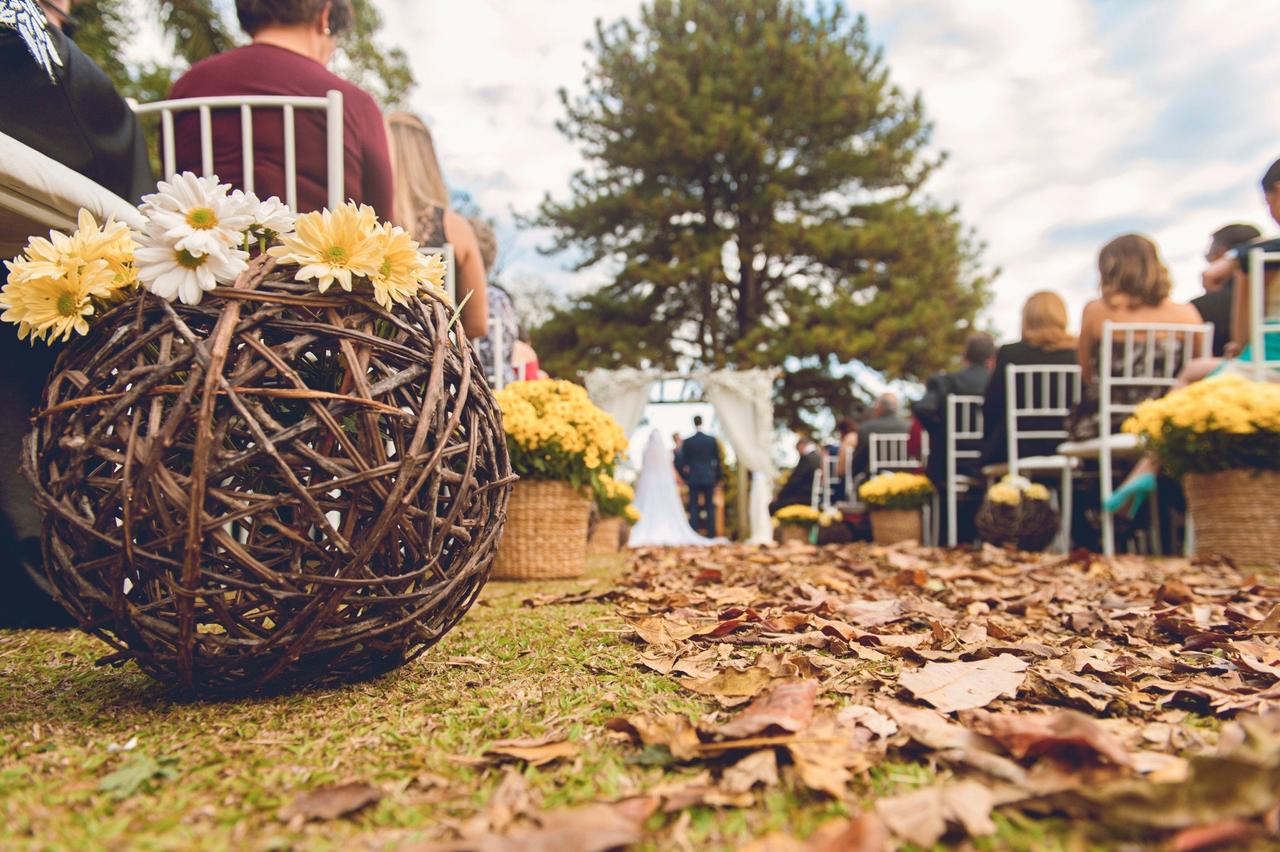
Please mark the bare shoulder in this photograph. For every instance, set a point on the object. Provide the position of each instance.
(459, 232)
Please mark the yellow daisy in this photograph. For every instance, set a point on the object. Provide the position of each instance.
(399, 273)
(55, 306)
(333, 245)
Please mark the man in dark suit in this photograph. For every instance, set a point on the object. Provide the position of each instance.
(1219, 292)
(884, 420)
(931, 409)
(699, 466)
(798, 489)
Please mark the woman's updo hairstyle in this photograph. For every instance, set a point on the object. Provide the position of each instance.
(256, 14)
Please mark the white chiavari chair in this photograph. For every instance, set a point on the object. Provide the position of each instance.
(964, 425)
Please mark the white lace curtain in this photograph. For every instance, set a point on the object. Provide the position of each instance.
(743, 400)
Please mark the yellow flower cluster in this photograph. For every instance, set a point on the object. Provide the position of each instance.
(798, 515)
(56, 284)
(897, 490)
(554, 431)
(1226, 403)
(631, 514)
(349, 243)
(1011, 491)
(614, 497)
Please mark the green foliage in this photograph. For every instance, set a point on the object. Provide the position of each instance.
(201, 28)
(139, 773)
(754, 193)
(1180, 450)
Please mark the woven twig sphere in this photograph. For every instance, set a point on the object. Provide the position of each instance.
(232, 505)
(1031, 525)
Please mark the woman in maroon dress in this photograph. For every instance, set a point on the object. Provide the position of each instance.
(293, 41)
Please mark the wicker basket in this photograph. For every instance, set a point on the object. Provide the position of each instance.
(890, 526)
(791, 532)
(606, 538)
(546, 535)
(1237, 515)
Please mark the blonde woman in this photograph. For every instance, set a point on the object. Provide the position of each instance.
(422, 207)
(1045, 340)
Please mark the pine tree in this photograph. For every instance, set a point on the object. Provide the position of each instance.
(753, 190)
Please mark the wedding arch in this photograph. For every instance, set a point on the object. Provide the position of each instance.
(743, 401)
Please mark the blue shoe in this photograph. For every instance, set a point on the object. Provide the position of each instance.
(1134, 492)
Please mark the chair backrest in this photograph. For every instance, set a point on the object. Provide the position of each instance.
(1260, 324)
(889, 452)
(964, 425)
(1041, 391)
(330, 104)
(1142, 360)
(820, 496)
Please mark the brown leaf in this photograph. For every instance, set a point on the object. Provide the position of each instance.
(331, 801)
(787, 705)
(730, 683)
(671, 730)
(590, 828)
(1065, 735)
(921, 816)
(863, 833)
(1174, 591)
(536, 751)
(1215, 835)
(759, 767)
(825, 757)
(964, 686)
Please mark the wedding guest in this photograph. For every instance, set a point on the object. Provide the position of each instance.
(844, 450)
(1045, 341)
(1215, 304)
(58, 102)
(292, 42)
(422, 205)
(65, 107)
(884, 420)
(931, 409)
(699, 467)
(798, 489)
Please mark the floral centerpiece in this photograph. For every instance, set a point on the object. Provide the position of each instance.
(797, 522)
(1018, 511)
(1221, 436)
(563, 447)
(263, 453)
(613, 501)
(896, 500)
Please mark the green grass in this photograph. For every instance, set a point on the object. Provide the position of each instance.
(213, 775)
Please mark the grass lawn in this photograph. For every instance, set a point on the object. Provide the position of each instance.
(215, 775)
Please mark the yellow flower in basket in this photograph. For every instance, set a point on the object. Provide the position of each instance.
(555, 432)
(1223, 423)
(797, 516)
(896, 491)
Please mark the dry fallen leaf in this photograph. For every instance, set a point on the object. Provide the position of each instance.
(921, 816)
(965, 686)
(536, 751)
(759, 767)
(788, 705)
(331, 801)
(671, 730)
(1065, 735)
(590, 828)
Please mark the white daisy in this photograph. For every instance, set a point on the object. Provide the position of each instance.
(172, 273)
(269, 219)
(196, 215)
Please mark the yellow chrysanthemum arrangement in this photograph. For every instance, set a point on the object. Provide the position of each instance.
(555, 432)
(614, 499)
(57, 284)
(796, 516)
(1223, 423)
(197, 234)
(896, 491)
(1012, 490)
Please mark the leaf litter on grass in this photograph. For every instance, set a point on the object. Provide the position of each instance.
(1030, 683)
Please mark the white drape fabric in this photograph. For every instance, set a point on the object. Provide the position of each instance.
(622, 393)
(743, 400)
(662, 518)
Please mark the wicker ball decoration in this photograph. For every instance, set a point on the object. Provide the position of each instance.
(234, 506)
(1031, 525)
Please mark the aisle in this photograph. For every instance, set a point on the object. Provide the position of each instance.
(837, 648)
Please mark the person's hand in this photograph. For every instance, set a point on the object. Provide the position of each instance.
(1232, 350)
(1217, 274)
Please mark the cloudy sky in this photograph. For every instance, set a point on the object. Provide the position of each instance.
(1066, 121)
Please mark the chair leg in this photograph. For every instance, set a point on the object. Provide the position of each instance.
(1157, 540)
(1064, 504)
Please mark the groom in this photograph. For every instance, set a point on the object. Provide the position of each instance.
(699, 466)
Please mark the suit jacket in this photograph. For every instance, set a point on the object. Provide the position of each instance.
(995, 406)
(82, 122)
(798, 489)
(890, 424)
(700, 461)
(931, 411)
(1216, 308)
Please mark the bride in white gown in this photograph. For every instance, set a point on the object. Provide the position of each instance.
(662, 518)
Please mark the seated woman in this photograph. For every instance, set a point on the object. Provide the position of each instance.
(293, 41)
(1045, 340)
(422, 207)
(1135, 288)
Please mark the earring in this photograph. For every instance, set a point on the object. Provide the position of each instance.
(327, 31)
